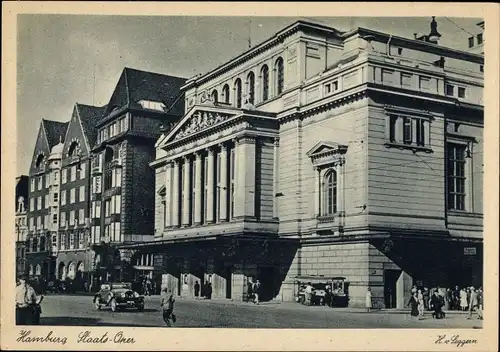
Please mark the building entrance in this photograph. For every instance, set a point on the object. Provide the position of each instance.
(390, 287)
(267, 277)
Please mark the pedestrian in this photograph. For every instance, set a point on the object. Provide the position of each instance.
(27, 303)
(426, 298)
(250, 297)
(456, 298)
(328, 296)
(413, 304)
(167, 303)
(257, 290)
(209, 290)
(463, 299)
(437, 303)
(414, 289)
(473, 303)
(480, 303)
(420, 298)
(368, 300)
(308, 294)
(196, 290)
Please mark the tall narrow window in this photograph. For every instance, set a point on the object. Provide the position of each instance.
(280, 75)
(225, 93)
(407, 133)
(264, 74)
(215, 96)
(330, 192)
(420, 132)
(237, 92)
(108, 175)
(251, 87)
(392, 128)
(456, 176)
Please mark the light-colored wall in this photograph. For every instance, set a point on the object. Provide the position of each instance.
(159, 207)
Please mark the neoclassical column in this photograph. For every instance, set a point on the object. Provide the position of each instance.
(186, 192)
(198, 189)
(211, 186)
(276, 177)
(223, 210)
(175, 201)
(245, 175)
(317, 191)
(168, 195)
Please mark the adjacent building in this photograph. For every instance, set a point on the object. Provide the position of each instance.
(44, 198)
(321, 153)
(21, 223)
(122, 191)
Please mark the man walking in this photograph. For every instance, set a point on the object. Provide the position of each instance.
(167, 303)
(27, 304)
(256, 291)
(473, 303)
(196, 290)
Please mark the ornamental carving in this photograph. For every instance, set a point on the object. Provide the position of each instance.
(201, 120)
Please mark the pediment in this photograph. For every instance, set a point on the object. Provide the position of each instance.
(324, 147)
(197, 120)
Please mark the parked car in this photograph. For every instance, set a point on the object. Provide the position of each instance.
(118, 295)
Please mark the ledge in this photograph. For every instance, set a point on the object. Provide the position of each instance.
(412, 147)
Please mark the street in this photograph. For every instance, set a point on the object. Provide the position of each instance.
(71, 310)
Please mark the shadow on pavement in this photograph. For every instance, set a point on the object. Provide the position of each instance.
(74, 321)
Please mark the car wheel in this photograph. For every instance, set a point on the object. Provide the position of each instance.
(140, 307)
(113, 305)
(97, 303)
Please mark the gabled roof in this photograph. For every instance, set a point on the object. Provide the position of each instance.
(324, 146)
(135, 85)
(89, 116)
(55, 131)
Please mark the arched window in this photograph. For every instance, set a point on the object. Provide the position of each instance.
(264, 78)
(71, 270)
(237, 92)
(73, 149)
(215, 96)
(251, 87)
(280, 75)
(330, 192)
(225, 93)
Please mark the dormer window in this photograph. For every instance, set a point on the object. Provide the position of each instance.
(73, 149)
(152, 105)
(39, 160)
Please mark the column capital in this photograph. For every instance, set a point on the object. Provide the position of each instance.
(246, 139)
(276, 141)
(223, 145)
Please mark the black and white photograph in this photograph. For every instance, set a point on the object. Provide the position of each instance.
(248, 172)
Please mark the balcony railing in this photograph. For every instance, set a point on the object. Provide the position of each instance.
(326, 219)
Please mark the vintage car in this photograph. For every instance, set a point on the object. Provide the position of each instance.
(118, 296)
(335, 296)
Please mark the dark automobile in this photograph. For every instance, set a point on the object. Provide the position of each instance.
(118, 295)
(332, 292)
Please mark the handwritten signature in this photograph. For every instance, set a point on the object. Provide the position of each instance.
(454, 340)
(25, 336)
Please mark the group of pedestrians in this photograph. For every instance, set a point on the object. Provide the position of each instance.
(205, 291)
(253, 291)
(471, 300)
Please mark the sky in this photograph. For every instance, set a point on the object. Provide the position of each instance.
(65, 59)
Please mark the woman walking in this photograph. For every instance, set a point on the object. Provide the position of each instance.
(368, 300)
(421, 307)
(463, 300)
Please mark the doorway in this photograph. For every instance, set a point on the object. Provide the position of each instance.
(227, 274)
(391, 277)
(266, 276)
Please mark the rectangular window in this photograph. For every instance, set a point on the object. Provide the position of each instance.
(54, 218)
(46, 201)
(387, 76)
(32, 204)
(407, 131)
(98, 209)
(420, 132)
(107, 208)
(98, 184)
(479, 39)
(73, 173)
(392, 128)
(32, 185)
(450, 90)
(461, 92)
(64, 176)
(335, 86)
(63, 219)
(481, 68)
(47, 181)
(81, 194)
(56, 198)
(471, 42)
(39, 203)
(81, 240)
(46, 221)
(425, 83)
(62, 241)
(40, 182)
(82, 171)
(118, 177)
(72, 195)
(71, 240)
(72, 218)
(81, 216)
(118, 205)
(112, 205)
(32, 223)
(456, 176)
(118, 232)
(63, 197)
(38, 222)
(328, 89)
